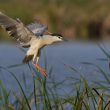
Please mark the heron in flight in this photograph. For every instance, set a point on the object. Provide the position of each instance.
(31, 36)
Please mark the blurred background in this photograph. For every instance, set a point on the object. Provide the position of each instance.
(74, 19)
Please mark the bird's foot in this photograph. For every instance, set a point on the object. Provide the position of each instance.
(40, 69)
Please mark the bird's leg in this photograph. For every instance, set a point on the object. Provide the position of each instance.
(41, 70)
(35, 62)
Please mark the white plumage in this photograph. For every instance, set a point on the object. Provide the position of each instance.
(38, 43)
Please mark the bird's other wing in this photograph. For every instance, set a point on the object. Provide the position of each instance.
(37, 28)
(16, 29)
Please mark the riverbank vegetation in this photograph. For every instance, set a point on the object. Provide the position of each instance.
(75, 19)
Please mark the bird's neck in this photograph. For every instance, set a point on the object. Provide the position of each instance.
(47, 41)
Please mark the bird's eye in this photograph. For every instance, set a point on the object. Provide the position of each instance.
(59, 37)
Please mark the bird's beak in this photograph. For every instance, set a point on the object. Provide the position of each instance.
(64, 39)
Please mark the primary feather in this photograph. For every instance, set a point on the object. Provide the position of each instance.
(16, 29)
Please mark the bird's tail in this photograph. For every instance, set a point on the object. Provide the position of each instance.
(27, 58)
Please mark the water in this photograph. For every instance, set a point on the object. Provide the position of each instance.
(57, 58)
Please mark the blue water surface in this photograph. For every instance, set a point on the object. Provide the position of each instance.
(65, 62)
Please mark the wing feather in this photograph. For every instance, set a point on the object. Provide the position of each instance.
(16, 29)
(37, 28)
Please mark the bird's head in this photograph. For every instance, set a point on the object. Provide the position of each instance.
(57, 37)
(52, 38)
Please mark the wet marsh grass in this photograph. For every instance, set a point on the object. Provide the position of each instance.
(43, 97)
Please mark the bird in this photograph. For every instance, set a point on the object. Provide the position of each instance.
(29, 36)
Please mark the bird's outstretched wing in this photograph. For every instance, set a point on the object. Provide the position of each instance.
(16, 29)
(37, 28)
